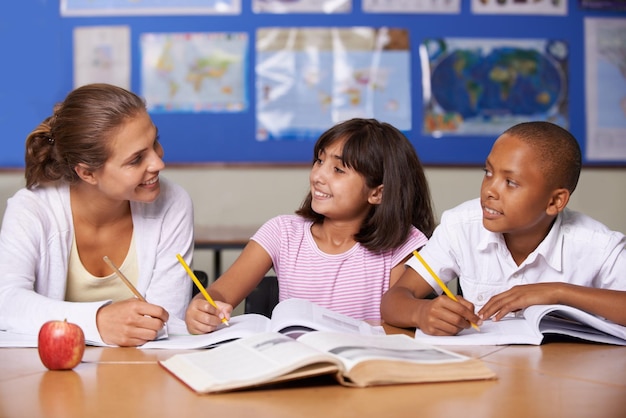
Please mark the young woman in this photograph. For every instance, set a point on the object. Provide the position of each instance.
(368, 208)
(93, 190)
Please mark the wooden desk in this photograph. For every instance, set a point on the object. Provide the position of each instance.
(553, 380)
(219, 238)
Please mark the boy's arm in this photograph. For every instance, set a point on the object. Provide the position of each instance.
(607, 299)
(606, 303)
(404, 305)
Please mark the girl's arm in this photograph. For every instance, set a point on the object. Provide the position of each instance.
(229, 290)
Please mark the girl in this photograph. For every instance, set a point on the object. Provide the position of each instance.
(368, 208)
(93, 190)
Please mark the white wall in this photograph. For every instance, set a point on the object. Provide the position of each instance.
(225, 195)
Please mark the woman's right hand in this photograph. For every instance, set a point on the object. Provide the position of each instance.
(201, 317)
(130, 323)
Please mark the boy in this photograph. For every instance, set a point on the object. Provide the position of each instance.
(517, 245)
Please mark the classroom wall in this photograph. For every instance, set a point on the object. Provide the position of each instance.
(39, 54)
(234, 195)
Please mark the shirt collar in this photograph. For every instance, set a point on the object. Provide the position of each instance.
(550, 249)
(488, 238)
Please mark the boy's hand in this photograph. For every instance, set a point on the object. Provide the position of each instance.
(518, 298)
(201, 317)
(444, 316)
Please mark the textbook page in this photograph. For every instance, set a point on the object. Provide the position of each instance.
(370, 360)
(566, 320)
(354, 349)
(531, 327)
(295, 316)
(291, 317)
(259, 359)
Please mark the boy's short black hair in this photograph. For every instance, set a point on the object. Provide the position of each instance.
(558, 152)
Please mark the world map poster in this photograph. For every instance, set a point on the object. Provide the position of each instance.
(194, 72)
(483, 86)
(308, 79)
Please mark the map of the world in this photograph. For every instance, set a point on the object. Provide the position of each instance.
(480, 87)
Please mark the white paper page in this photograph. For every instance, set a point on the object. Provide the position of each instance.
(304, 314)
(15, 340)
(10, 339)
(240, 326)
(509, 330)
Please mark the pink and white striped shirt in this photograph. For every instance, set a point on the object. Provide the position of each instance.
(351, 283)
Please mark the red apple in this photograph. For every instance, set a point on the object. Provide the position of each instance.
(61, 345)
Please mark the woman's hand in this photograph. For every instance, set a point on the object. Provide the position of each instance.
(130, 323)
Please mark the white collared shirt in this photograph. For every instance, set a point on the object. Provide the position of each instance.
(577, 250)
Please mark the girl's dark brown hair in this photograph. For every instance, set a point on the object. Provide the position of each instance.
(78, 132)
(382, 155)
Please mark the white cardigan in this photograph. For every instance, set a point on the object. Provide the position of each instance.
(35, 243)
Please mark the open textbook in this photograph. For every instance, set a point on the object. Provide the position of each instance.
(290, 317)
(532, 325)
(354, 360)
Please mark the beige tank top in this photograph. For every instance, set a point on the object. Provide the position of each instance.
(82, 286)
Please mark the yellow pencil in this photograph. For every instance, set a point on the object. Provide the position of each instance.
(124, 279)
(199, 285)
(440, 283)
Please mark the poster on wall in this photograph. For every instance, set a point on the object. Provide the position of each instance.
(605, 88)
(411, 6)
(603, 4)
(302, 6)
(308, 79)
(194, 72)
(102, 55)
(148, 7)
(525, 7)
(483, 86)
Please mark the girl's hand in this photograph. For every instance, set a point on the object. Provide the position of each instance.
(201, 317)
(130, 322)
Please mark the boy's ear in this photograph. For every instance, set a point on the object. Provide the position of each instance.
(85, 173)
(558, 201)
(376, 195)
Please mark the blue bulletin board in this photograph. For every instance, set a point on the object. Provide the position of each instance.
(37, 72)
